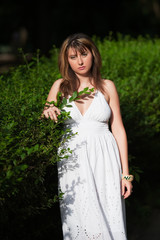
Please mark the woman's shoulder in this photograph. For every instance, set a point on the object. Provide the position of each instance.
(108, 83)
(58, 82)
(110, 88)
(55, 87)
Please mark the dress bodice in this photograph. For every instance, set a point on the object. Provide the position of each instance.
(95, 119)
(98, 110)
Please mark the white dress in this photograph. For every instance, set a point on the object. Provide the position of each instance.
(90, 178)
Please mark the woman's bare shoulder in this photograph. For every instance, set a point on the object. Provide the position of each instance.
(58, 82)
(109, 83)
(110, 86)
(112, 91)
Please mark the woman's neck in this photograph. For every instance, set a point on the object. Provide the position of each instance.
(85, 82)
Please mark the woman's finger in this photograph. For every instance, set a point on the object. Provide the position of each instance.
(57, 111)
(46, 114)
(52, 113)
(128, 192)
(123, 189)
(55, 116)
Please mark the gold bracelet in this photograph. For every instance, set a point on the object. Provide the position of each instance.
(128, 177)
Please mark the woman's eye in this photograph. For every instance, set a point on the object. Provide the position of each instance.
(72, 57)
(84, 54)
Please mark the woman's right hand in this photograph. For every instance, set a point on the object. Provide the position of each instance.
(51, 112)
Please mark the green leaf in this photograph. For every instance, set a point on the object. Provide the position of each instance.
(52, 102)
(137, 177)
(85, 89)
(74, 95)
(81, 92)
(64, 101)
(36, 147)
(91, 89)
(19, 179)
(70, 99)
(23, 155)
(59, 94)
(68, 105)
(24, 167)
(9, 174)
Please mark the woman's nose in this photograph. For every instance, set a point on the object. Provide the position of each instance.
(80, 61)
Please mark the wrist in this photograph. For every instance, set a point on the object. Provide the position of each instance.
(125, 173)
(128, 177)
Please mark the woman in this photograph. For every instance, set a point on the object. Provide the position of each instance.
(95, 177)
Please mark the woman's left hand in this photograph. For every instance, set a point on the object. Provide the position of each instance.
(126, 188)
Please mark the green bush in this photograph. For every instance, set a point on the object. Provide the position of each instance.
(28, 182)
(28, 174)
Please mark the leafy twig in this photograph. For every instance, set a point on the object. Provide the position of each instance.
(62, 102)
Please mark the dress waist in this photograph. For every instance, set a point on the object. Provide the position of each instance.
(88, 128)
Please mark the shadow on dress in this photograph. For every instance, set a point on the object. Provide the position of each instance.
(65, 166)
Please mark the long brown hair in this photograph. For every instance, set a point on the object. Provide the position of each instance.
(80, 42)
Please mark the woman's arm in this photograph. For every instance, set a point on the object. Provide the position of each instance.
(119, 133)
(52, 96)
(52, 111)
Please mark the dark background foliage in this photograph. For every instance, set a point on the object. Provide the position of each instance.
(50, 22)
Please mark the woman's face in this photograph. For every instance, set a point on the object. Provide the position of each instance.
(80, 63)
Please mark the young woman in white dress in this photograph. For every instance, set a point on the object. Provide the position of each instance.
(95, 177)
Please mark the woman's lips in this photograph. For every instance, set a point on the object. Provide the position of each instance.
(82, 68)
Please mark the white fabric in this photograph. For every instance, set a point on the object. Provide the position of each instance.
(90, 178)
